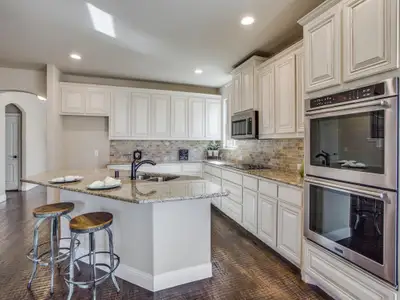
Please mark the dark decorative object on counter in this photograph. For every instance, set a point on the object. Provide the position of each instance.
(183, 154)
(137, 155)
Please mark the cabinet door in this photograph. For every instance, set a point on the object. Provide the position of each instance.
(267, 211)
(370, 37)
(140, 115)
(267, 100)
(322, 50)
(216, 200)
(300, 91)
(179, 117)
(247, 88)
(73, 100)
(227, 110)
(160, 116)
(250, 209)
(213, 119)
(237, 92)
(289, 232)
(197, 118)
(97, 101)
(285, 95)
(120, 122)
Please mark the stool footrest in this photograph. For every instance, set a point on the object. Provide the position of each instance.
(95, 281)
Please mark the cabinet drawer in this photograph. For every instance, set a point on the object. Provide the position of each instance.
(191, 168)
(250, 183)
(233, 177)
(268, 188)
(235, 191)
(208, 169)
(232, 209)
(216, 172)
(293, 196)
(340, 279)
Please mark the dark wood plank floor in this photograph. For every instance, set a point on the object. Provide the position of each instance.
(243, 268)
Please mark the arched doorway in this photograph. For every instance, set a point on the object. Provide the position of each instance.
(13, 142)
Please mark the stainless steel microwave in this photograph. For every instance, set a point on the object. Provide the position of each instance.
(245, 125)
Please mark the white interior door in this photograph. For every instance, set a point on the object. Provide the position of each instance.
(12, 152)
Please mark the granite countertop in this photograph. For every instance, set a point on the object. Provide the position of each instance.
(158, 162)
(291, 178)
(134, 191)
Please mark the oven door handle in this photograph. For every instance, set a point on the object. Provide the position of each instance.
(379, 103)
(383, 196)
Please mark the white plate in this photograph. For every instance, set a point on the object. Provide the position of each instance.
(65, 180)
(105, 187)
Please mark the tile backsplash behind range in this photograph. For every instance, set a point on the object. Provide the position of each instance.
(283, 154)
(159, 151)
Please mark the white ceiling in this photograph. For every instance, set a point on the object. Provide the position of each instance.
(162, 40)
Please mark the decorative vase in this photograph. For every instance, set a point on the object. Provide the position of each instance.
(215, 152)
(209, 153)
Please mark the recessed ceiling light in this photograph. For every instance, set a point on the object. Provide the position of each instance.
(41, 98)
(247, 20)
(198, 71)
(75, 56)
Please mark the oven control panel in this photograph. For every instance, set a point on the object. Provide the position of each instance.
(356, 94)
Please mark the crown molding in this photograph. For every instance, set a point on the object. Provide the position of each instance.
(327, 4)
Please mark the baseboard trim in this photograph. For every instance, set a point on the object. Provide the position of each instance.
(3, 198)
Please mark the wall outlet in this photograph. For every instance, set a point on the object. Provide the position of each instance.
(298, 167)
(96, 153)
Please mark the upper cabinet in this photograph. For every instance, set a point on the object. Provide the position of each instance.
(370, 37)
(197, 115)
(244, 85)
(160, 116)
(179, 117)
(349, 40)
(140, 115)
(213, 119)
(322, 50)
(77, 99)
(120, 106)
(281, 94)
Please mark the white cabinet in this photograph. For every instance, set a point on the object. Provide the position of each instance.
(140, 115)
(98, 101)
(236, 92)
(227, 92)
(267, 100)
(300, 90)
(247, 88)
(250, 209)
(289, 233)
(322, 46)
(160, 116)
(216, 200)
(197, 118)
(179, 117)
(267, 213)
(73, 100)
(120, 117)
(285, 95)
(83, 100)
(370, 37)
(213, 119)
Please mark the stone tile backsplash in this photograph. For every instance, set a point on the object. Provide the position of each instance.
(159, 151)
(283, 154)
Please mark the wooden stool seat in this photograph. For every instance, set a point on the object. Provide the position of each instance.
(91, 222)
(53, 210)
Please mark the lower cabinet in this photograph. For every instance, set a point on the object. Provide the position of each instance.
(267, 212)
(250, 200)
(216, 200)
(232, 209)
(289, 232)
(340, 279)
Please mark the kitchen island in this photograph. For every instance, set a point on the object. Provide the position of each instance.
(162, 230)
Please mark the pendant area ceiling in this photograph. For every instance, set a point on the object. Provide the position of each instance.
(160, 40)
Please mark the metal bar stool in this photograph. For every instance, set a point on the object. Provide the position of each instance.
(58, 254)
(92, 223)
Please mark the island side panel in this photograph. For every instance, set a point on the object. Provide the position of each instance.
(182, 242)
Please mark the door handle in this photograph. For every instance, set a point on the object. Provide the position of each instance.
(13, 156)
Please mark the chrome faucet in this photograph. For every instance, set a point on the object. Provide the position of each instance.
(135, 166)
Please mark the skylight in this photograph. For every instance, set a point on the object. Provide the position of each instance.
(102, 21)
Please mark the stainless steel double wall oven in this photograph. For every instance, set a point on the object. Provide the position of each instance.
(351, 167)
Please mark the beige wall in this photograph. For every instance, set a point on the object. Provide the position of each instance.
(81, 137)
(32, 81)
(138, 84)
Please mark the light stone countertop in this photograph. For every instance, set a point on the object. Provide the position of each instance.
(291, 178)
(134, 191)
(161, 162)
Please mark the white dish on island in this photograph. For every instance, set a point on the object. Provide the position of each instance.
(66, 179)
(106, 184)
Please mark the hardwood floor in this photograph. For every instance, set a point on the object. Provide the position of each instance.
(243, 268)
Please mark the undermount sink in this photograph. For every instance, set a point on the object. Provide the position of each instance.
(162, 178)
(143, 177)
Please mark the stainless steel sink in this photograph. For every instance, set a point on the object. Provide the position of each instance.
(143, 177)
(162, 178)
